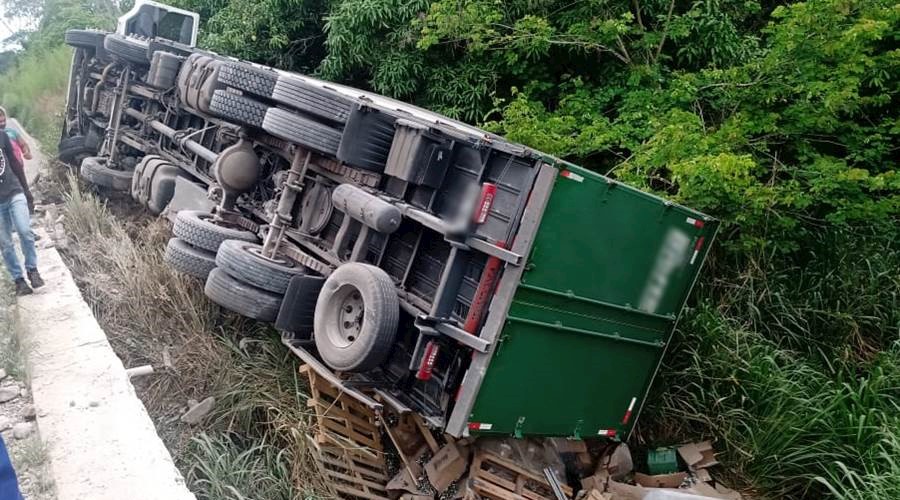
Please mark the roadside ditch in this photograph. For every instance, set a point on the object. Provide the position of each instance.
(251, 441)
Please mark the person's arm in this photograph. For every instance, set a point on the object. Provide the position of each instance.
(19, 169)
(23, 145)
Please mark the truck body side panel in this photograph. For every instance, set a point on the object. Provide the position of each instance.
(610, 269)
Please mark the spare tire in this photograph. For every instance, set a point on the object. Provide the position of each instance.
(189, 260)
(356, 318)
(244, 261)
(240, 297)
(198, 229)
(127, 49)
(94, 170)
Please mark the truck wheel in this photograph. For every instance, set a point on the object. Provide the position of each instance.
(356, 317)
(95, 171)
(303, 131)
(239, 109)
(367, 138)
(244, 261)
(240, 297)
(71, 148)
(189, 260)
(288, 90)
(299, 305)
(295, 92)
(85, 39)
(197, 228)
(247, 78)
(127, 49)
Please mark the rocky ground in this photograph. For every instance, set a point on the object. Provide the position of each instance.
(17, 415)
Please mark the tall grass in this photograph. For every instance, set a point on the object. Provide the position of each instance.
(794, 370)
(33, 91)
(253, 442)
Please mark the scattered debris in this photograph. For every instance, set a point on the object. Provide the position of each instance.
(22, 430)
(29, 413)
(662, 461)
(139, 371)
(8, 394)
(673, 480)
(698, 455)
(198, 412)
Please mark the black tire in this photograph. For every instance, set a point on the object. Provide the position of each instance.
(196, 228)
(293, 91)
(127, 49)
(356, 317)
(85, 39)
(298, 308)
(189, 260)
(241, 298)
(237, 108)
(94, 170)
(243, 261)
(244, 77)
(303, 131)
(367, 138)
(71, 148)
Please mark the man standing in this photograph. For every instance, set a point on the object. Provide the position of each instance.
(16, 205)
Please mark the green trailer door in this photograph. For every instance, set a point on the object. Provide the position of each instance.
(608, 273)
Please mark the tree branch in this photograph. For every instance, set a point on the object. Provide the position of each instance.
(637, 13)
(665, 32)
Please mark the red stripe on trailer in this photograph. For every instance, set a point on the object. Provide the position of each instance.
(483, 292)
(428, 358)
(485, 201)
(607, 432)
(627, 416)
(699, 244)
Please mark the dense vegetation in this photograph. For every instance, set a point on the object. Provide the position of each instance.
(780, 118)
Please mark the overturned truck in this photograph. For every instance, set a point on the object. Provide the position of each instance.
(415, 261)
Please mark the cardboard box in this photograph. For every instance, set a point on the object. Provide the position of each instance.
(446, 466)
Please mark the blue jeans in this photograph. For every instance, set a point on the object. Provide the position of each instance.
(9, 487)
(14, 214)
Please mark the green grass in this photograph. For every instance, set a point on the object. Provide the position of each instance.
(794, 371)
(33, 91)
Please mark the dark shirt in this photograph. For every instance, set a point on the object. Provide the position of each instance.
(9, 181)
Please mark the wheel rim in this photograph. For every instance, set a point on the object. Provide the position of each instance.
(257, 252)
(349, 317)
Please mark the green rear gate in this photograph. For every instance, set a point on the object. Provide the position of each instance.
(608, 274)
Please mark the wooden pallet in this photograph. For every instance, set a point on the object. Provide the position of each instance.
(342, 416)
(493, 476)
(346, 445)
(352, 473)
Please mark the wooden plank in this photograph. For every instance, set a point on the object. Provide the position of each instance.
(426, 433)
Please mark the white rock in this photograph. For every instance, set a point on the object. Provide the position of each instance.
(2, 374)
(29, 413)
(5, 423)
(197, 412)
(22, 430)
(8, 394)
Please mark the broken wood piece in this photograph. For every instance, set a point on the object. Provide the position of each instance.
(446, 466)
(410, 461)
(426, 432)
